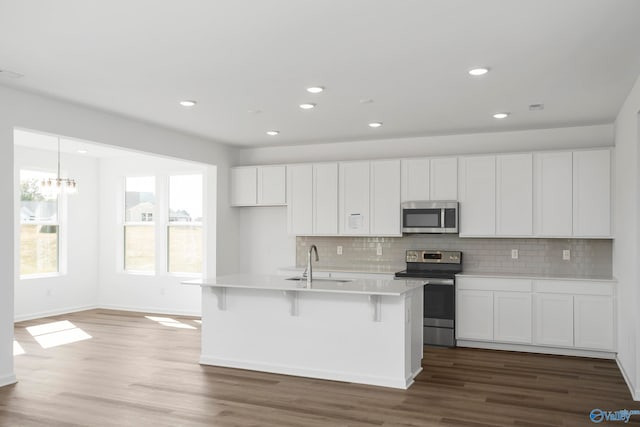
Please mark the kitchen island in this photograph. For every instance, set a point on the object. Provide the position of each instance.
(364, 331)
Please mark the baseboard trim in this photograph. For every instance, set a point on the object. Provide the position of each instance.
(537, 349)
(309, 373)
(635, 394)
(8, 380)
(40, 315)
(60, 312)
(153, 310)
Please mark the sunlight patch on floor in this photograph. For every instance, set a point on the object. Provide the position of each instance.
(167, 321)
(17, 349)
(57, 333)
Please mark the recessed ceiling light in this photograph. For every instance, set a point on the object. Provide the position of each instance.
(315, 89)
(188, 103)
(273, 132)
(366, 101)
(82, 151)
(307, 106)
(500, 115)
(375, 124)
(478, 71)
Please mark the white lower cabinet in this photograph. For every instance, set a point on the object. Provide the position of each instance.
(554, 320)
(593, 322)
(475, 315)
(563, 314)
(512, 317)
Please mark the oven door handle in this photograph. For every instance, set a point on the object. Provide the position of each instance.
(439, 282)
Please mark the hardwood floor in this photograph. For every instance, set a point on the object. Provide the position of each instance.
(135, 371)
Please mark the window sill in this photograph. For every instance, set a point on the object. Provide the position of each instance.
(40, 276)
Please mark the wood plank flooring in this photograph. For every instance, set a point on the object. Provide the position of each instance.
(138, 372)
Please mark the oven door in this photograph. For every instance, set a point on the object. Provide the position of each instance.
(439, 304)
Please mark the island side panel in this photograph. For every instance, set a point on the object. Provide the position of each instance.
(334, 336)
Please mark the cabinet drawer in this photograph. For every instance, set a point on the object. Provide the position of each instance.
(494, 284)
(574, 287)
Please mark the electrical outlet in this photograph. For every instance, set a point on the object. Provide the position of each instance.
(514, 254)
(566, 255)
(339, 250)
(379, 250)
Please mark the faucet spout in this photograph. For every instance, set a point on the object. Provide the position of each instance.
(309, 265)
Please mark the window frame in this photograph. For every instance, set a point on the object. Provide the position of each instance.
(61, 200)
(124, 224)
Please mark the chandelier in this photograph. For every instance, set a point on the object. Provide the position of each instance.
(59, 184)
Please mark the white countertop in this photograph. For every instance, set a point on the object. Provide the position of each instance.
(534, 277)
(280, 283)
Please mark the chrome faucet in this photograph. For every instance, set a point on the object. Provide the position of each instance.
(309, 269)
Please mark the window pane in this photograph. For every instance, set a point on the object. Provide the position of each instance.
(139, 248)
(38, 249)
(140, 199)
(36, 203)
(185, 249)
(185, 198)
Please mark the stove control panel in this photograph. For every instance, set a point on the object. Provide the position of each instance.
(434, 257)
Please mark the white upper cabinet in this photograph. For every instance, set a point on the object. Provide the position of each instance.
(300, 197)
(514, 195)
(415, 179)
(272, 184)
(258, 185)
(325, 199)
(443, 178)
(592, 193)
(477, 196)
(385, 198)
(553, 194)
(244, 186)
(354, 195)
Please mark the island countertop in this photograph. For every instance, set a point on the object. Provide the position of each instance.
(389, 287)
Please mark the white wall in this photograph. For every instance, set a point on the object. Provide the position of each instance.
(265, 245)
(495, 142)
(160, 292)
(77, 288)
(626, 246)
(31, 111)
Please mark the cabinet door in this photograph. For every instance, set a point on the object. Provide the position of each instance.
(474, 315)
(243, 186)
(593, 320)
(512, 317)
(354, 198)
(272, 185)
(514, 195)
(325, 199)
(478, 196)
(415, 180)
(554, 320)
(300, 199)
(553, 194)
(385, 198)
(592, 193)
(443, 182)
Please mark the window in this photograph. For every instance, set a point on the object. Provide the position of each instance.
(184, 230)
(139, 230)
(39, 225)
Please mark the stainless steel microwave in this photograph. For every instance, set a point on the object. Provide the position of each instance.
(430, 217)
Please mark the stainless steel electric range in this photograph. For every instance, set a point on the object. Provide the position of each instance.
(438, 269)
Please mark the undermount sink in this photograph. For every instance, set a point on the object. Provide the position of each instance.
(318, 279)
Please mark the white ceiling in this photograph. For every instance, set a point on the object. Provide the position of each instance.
(139, 58)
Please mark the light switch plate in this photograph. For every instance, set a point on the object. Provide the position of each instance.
(514, 254)
(339, 250)
(379, 250)
(566, 255)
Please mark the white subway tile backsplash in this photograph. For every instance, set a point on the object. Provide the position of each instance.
(589, 257)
